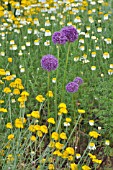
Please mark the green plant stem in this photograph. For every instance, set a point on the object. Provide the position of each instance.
(48, 93)
(56, 86)
(64, 80)
(65, 70)
(73, 104)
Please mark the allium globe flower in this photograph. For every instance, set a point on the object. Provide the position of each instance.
(70, 32)
(78, 80)
(49, 62)
(72, 87)
(59, 38)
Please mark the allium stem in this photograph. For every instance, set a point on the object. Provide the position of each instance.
(67, 55)
(56, 85)
(64, 79)
(48, 92)
(73, 103)
(65, 70)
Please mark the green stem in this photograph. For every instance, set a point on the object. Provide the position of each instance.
(64, 80)
(56, 86)
(65, 70)
(48, 93)
(73, 104)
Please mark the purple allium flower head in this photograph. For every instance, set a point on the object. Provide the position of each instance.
(72, 87)
(78, 80)
(59, 38)
(70, 32)
(49, 62)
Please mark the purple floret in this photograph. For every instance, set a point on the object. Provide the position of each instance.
(49, 62)
(78, 80)
(70, 32)
(59, 38)
(72, 87)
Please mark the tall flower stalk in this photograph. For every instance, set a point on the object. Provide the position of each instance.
(65, 70)
(49, 63)
(56, 85)
(63, 87)
(48, 95)
(67, 34)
